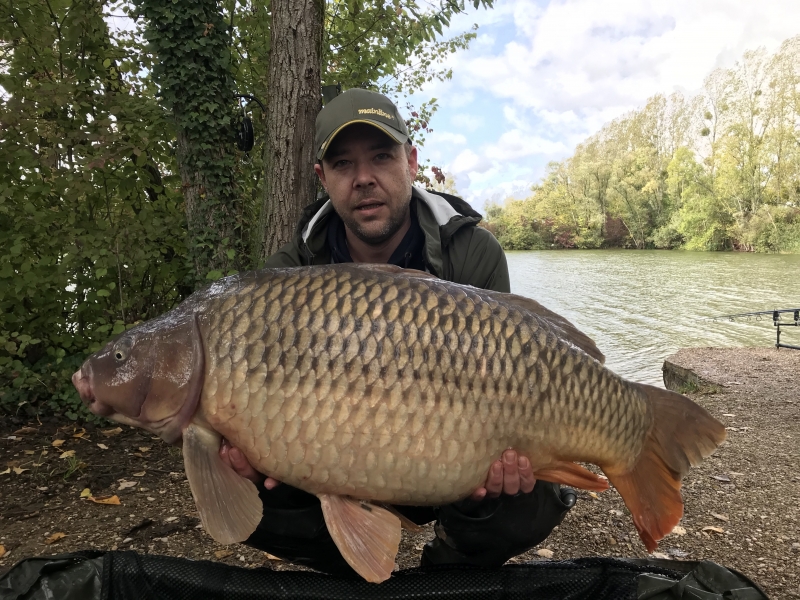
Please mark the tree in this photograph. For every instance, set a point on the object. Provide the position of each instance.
(294, 76)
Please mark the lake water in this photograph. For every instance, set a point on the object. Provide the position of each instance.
(640, 306)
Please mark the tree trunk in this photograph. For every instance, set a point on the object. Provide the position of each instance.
(294, 76)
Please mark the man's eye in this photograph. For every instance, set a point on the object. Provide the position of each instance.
(340, 164)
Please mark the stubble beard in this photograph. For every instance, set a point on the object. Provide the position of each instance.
(392, 226)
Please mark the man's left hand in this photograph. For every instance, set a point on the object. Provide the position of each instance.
(511, 475)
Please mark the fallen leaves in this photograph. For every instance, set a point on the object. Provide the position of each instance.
(67, 454)
(86, 493)
(678, 530)
(144, 448)
(6, 472)
(19, 471)
(545, 553)
(105, 500)
(124, 485)
(57, 443)
(722, 478)
(111, 432)
(25, 430)
(660, 555)
(714, 529)
(54, 538)
(140, 474)
(223, 553)
(720, 517)
(2, 551)
(102, 446)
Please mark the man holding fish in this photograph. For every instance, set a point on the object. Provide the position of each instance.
(365, 386)
(373, 214)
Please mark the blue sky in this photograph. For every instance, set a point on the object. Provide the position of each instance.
(542, 76)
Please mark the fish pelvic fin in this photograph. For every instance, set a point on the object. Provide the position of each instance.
(682, 435)
(228, 504)
(569, 473)
(367, 535)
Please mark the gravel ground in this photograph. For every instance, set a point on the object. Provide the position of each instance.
(741, 511)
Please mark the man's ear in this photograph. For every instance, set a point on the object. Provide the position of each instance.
(413, 165)
(321, 174)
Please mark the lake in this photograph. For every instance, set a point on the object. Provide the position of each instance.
(640, 306)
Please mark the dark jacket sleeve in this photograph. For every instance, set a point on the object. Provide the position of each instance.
(288, 256)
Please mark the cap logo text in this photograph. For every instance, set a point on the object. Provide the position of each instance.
(374, 111)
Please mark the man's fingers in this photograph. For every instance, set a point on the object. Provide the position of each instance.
(526, 478)
(494, 481)
(477, 495)
(271, 483)
(510, 473)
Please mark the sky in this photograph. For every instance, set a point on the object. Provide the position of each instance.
(542, 76)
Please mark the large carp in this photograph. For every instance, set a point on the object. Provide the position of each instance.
(372, 384)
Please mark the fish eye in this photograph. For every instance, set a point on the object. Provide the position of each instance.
(121, 350)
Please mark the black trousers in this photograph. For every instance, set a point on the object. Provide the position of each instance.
(485, 533)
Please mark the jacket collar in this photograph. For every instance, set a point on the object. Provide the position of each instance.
(440, 216)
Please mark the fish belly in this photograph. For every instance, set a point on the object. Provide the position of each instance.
(402, 389)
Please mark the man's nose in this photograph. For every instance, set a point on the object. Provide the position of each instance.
(364, 175)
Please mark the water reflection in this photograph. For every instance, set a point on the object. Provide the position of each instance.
(641, 306)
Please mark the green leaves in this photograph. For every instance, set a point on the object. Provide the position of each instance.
(715, 172)
(76, 261)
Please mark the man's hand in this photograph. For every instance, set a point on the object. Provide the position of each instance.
(510, 475)
(237, 461)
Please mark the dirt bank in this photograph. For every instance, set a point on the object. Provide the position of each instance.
(742, 506)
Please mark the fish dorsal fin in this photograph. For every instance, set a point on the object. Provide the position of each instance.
(560, 326)
(229, 506)
(368, 536)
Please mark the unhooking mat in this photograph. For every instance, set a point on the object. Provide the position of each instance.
(131, 576)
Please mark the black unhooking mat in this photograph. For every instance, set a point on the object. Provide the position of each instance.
(132, 576)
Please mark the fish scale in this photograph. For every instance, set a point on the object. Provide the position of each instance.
(412, 340)
(375, 383)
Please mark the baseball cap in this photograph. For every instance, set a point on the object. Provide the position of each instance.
(358, 106)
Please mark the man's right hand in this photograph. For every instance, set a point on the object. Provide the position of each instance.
(236, 460)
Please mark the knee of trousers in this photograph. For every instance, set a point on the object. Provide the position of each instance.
(500, 529)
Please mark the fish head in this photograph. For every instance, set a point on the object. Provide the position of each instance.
(149, 377)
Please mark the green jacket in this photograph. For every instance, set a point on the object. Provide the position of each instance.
(455, 248)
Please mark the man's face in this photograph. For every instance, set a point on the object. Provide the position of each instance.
(368, 177)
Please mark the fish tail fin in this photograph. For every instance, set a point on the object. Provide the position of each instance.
(682, 435)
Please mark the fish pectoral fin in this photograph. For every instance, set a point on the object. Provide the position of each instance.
(569, 473)
(367, 535)
(229, 506)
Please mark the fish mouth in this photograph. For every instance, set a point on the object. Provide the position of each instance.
(83, 383)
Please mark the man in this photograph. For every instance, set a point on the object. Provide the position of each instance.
(373, 214)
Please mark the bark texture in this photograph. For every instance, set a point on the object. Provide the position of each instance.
(294, 76)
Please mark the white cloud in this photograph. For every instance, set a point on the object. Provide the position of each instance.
(466, 122)
(515, 144)
(446, 137)
(468, 162)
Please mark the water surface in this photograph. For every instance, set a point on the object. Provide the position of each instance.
(640, 306)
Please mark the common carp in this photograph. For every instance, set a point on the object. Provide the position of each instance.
(369, 385)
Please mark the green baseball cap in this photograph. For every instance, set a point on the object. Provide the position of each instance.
(358, 106)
